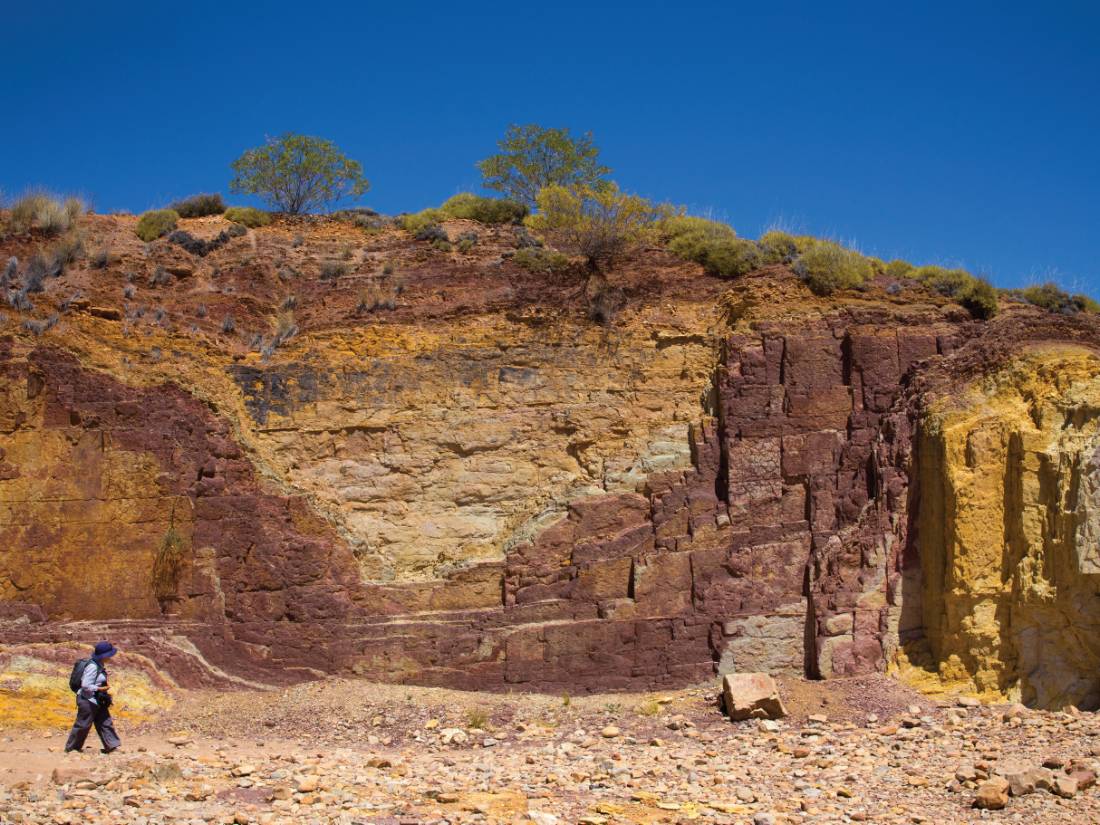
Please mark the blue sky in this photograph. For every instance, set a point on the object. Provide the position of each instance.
(955, 133)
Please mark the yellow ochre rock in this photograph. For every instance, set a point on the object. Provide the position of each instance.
(1009, 519)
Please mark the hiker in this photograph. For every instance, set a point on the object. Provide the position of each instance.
(93, 701)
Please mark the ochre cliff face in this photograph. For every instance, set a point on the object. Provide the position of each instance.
(444, 445)
(94, 474)
(1007, 525)
(485, 488)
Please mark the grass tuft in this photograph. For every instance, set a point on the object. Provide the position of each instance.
(477, 718)
(46, 213)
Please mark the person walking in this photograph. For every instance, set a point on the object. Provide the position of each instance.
(93, 702)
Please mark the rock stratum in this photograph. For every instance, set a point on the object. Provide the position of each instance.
(481, 487)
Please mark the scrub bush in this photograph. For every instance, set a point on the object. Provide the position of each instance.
(977, 295)
(690, 238)
(416, 221)
(197, 246)
(1049, 297)
(980, 299)
(376, 298)
(158, 222)
(248, 216)
(826, 266)
(332, 270)
(66, 250)
(540, 259)
(597, 222)
(713, 244)
(484, 210)
(899, 269)
(101, 258)
(467, 241)
(283, 328)
(733, 258)
(432, 232)
(778, 247)
(951, 283)
(199, 206)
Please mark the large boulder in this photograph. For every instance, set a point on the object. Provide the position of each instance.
(751, 696)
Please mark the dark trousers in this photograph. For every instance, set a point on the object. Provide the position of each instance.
(88, 714)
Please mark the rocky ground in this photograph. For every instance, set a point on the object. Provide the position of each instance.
(863, 750)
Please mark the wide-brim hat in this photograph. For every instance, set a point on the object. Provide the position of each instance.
(104, 650)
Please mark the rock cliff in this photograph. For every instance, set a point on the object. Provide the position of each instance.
(483, 487)
(1007, 530)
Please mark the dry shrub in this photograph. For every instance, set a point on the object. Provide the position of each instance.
(39, 210)
(199, 206)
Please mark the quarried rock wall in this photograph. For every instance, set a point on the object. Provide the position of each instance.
(819, 492)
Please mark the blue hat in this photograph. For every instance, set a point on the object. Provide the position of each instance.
(104, 650)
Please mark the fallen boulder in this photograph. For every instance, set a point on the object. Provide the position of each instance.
(751, 696)
(1024, 779)
(1065, 787)
(992, 794)
(88, 774)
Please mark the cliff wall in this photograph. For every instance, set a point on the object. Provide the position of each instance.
(485, 488)
(1007, 527)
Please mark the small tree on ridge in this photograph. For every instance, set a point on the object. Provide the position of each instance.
(296, 173)
(533, 158)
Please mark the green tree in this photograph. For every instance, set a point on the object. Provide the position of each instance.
(296, 173)
(599, 222)
(533, 158)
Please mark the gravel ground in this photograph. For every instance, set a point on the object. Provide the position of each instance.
(862, 750)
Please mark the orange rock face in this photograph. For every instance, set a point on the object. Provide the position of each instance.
(480, 488)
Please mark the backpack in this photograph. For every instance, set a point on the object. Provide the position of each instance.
(76, 678)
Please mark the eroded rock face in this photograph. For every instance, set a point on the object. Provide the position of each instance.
(98, 471)
(701, 565)
(442, 445)
(501, 501)
(1007, 531)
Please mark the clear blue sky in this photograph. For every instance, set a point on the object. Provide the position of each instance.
(954, 133)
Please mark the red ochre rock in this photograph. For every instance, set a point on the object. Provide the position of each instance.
(777, 549)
